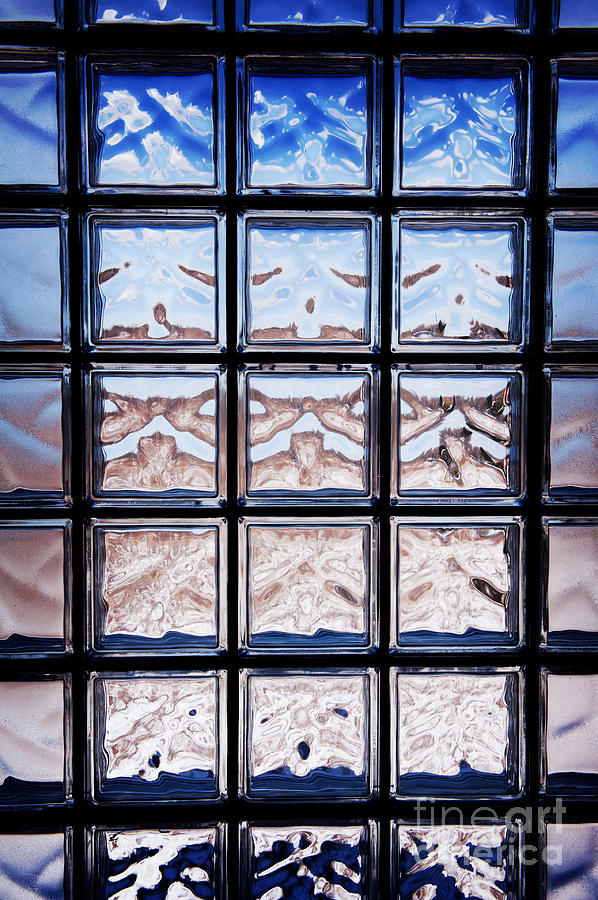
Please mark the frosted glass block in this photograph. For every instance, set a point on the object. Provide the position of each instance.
(34, 457)
(35, 716)
(309, 14)
(155, 281)
(31, 120)
(35, 588)
(572, 286)
(457, 433)
(461, 124)
(576, 14)
(156, 588)
(155, 12)
(308, 282)
(571, 860)
(157, 434)
(36, 865)
(308, 434)
(308, 585)
(461, 281)
(571, 583)
(308, 735)
(309, 125)
(571, 466)
(457, 733)
(302, 860)
(154, 124)
(573, 158)
(424, 15)
(31, 12)
(141, 862)
(33, 293)
(569, 758)
(156, 738)
(456, 584)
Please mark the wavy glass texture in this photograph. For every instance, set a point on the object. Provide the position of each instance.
(458, 434)
(461, 128)
(33, 750)
(17, 11)
(32, 866)
(33, 589)
(153, 12)
(457, 586)
(308, 735)
(575, 150)
(571, 593)
(570, 861)
(153, 283)
(573, 282)
(156, 590)
(308, 587)
(309, 13)
(131, 864)
(570, 735)
(426, 14)
(307, 861)
(156, 738)
(442, 747)
(459, 283)
(308, 283)
(577, 14)
(573, 465)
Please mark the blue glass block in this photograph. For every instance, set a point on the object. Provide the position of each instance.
(309, 126)
(427, 14)
(569, 763)
(31, 89)
(570, 856)
(571, 468)
(36, 866)
(462, 124)
(30, 11)
(156, 738)
(309, 14)
(35, 742)
(574, 156)
(572, 318)
(155, 12)
(309, 735)
(457, 734)
(576, 13)
(570, 584)
(154, 125)
(157, 589)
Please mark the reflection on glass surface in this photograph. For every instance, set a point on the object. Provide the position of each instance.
(571, 734)
(571, 854)
(308, 283)
(477, 13)
(573, 283)
(575, 135)
(572, 584)
(199, 12)
(309, 12)
(577, 14)
(156, 738)
(573, 471)
(308, 735)
(32, 867)
(28, 11)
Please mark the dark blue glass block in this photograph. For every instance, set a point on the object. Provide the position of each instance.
(29, 11)
(574, 157)
(308, 13)
(569, 764)
(570, 855)
(154, 12)
(572, 463)
(426, 14)
(577, 13)
(573, 281)
(35, 866)
(571, 579)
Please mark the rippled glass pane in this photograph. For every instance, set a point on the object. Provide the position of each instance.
(461, 124)
(457, 584)
(155, 281)
(30, 11)
(426, 14)
(460, 281)
(570, 723)
(457, 734)
(309, 282)
(309, 126)
(157, 433)
(34, 742)
(308, 586)
(34, 588)
(574, 157)
(577, 14)
(308, 13)
(155, 12)
(572, 281)
(157, 589)
(571, 583)
(458, 433)
(35, 866)
(308, 434)
(157, 738)
(309, 735)
(570, 861)
(154, 125)
(572, 466)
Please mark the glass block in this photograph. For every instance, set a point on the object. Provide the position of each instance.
(35, 588)
(304, 860)
(309, 735)
(157, 434)
(573, 158)
(155, 12)
(570, 856)
(156, 588)
(309, 282)
(155, 281)
(457, 860)
(457, 733)
(136, 863)
(34, 291)
(570, 614)
(308, 585)
(462, 124)
(456, 584)
(457, 433)
(308, 434)
(425, 15)
(31, 12)
(572, 313)
(309, 14)
(576, 14)
(32, 154)
(568, 763)
(571, 465)
(36, 865)
(309, 125)
(157, 738)
(461, 281)
(34, 435)
(154, 124)
(35, 729)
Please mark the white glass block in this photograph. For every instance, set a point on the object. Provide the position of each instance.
(31, 12)
(36, 865)
(571, 860)
(574, 142)
(571, 463)
(427, 15)
(570, 581)
(572, 283)
(304, 15)
(208, 13)
(569, 738)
